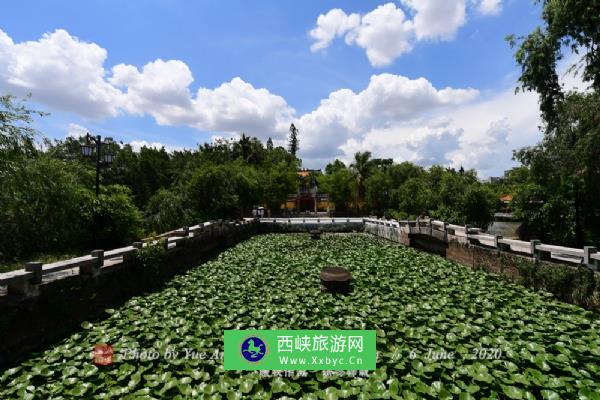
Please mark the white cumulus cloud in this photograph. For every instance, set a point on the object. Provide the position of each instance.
(60, 70)
(76, 131)
(136, 146)
(393, 116)
(161, 89)
(387, 32)
(489, 7)
(388, 101)
(335, 23)
(68, 74)
(384, 33)
(436, 19)
(480, 134)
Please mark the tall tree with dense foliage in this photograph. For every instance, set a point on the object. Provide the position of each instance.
(568, 25)
(337, 182)
(361, 168)
(294, 143)
(16, 134)
(378, 191)
(47, 202)
(278, 182)
(564, 167)
(565, 175)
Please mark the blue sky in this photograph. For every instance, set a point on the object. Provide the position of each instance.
(430, 81)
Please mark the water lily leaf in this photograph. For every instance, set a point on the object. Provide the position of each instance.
(331, 393)
(513, 392)
(416, 301)
(550, 395)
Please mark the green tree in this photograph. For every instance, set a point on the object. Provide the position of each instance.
(566, 165)
(167, 209)
(278, 181)
(478, 205)
(39, 208)
(337, 182)
(399, 173)
(294, 144)
(378, 191)
(568, 25)
(16, 134)
(221, 191)
(361, 167)
(117, 218)
(413, 197)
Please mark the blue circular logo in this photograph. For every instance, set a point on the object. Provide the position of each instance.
(253, 349)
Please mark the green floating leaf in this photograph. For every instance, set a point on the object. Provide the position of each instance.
(513, 392)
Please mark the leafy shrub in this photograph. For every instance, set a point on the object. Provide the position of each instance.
(117, 219)
(414, 197)
(39, 208)
(478, 206)
(577, 285)
(222, 191)
(152, 258)
(167, 210)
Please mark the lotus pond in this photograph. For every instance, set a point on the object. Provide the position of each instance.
(508, 342)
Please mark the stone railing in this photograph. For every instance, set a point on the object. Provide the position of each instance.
(402, 231)
(312, 221)
(27, 281)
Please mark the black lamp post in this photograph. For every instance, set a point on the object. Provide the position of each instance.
(87, 149)
(95, 144)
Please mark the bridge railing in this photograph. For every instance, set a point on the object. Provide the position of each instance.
(26, 280)
(34, 273)
(311, 221)
(588, 256)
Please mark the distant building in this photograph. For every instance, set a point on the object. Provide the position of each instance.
(496, 179)
(308, 199)
(506, 201)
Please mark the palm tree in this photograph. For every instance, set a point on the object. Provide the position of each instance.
(361, 168)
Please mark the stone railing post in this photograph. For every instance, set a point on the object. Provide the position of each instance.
(446, 232)
(587, 260)
(27, 286)
(535, 254)
(496, 238)
(93, 270)
(36, 268)
(467, 227)
(186, 231)
(130, 256)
